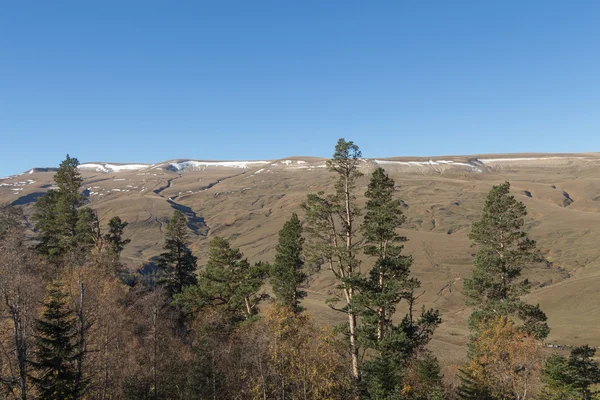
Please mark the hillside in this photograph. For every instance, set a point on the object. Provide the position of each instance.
(248, 202)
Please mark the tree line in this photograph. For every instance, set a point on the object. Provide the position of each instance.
(77, 324)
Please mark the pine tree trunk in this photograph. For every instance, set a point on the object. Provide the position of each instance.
(350, 269)
(248, 308)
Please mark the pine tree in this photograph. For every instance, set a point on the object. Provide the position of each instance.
(56, 212)
(287, 275)
(229, 284)
(87, 229)
(392, 347)
(571, 378)
(388, 280)
(56, 348)
(177, 264)
(114, 237)
(332, 230)
(495, 288)
(503, 251)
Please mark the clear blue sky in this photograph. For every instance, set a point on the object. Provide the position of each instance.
(128, 81)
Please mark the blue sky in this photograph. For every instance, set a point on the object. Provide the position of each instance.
(128, 81)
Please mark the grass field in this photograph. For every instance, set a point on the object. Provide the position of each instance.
(248, 203)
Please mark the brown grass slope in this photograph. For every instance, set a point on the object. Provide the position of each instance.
(249, 204)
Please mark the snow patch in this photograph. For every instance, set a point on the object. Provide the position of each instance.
(105, 168)
(424, 163)
(180, 166)
(494, 160)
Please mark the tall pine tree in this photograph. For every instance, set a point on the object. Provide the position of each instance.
(393, 347)
(495, 288)
(287, 273)
(56, 348)
(56, 212)
(177, 264)
(332, 230)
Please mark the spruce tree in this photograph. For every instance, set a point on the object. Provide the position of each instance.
(504, 249)
(287, 274)
(56, 212)
(56, 348)
(177, 264)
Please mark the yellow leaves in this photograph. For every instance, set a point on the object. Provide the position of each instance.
(300, 361)
(504, 359)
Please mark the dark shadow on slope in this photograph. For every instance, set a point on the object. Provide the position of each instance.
(194, 222)
(28, 199)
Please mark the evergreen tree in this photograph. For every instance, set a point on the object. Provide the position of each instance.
(427, 379)
(287, 275)
(177, 264)
(572, 378)
(388, 280)
(229, 283)
(56, 212)
(114, 237)
(56, 348)
(87, 229)
(495, 288)
(503, 250)
(393, 347)
(332, 230)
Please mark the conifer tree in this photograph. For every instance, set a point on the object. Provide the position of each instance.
(388, 280)
(571, 378)
(114, 237)
(495, 288)
(332, 230)
(177, 264)
(87, 229)
(56, 212)
(393, 347)
(287, 274)
(229, 283)
(56, 349)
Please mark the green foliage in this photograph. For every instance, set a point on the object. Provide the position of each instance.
(114, 238)
(471, 389)
(177, 264)
(229, 283)
(571, 378)
(87, 228)
(287, 274)
(393, 347)
(56, 213)
(56, 349)
(427, 380)
(503, 251)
